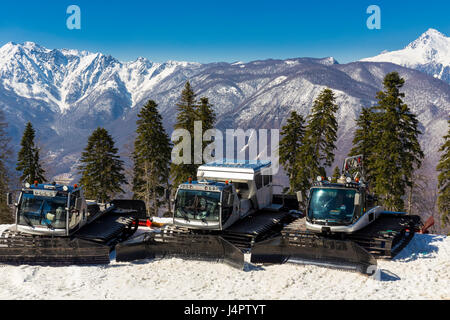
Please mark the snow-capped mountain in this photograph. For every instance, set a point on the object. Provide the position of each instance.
(430, 53)
(66, 94)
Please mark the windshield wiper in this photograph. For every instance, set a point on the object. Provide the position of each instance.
(184, 214)
(50, 226)
(28, 221)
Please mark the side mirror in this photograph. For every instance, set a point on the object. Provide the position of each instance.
(357, 200)
(9, 199)
(299, 196)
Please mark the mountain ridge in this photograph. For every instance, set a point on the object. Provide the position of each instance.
(430, 53)
(68, 93)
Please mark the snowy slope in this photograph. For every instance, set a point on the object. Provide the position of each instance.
(420, 271)
(430, 53)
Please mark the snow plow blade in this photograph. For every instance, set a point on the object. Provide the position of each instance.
(336, 254)
(185, 246)
(52, 252)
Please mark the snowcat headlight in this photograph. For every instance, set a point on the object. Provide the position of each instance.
(348, 179)
(27, 185)
(65, 188)
(319, 178)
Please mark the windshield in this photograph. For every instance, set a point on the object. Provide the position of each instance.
(197, 205)
(42, 211)
(332, 205)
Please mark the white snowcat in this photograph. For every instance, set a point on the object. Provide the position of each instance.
(218, 217)
(343, 227)
(55, 225)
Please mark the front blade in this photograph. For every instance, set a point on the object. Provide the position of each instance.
(311, 249)
(52, 252)
(185, 246)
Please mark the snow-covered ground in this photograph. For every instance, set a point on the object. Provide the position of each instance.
(420, 271)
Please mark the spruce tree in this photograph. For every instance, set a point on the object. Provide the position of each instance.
(101, 168)
(443, 168)
(336, 174)
(190, 111)
(365, 138)
(185, 120)
(207, 116)
(29, 164)
(396, 151)
(317, 151)
(152, 154)
(5, 153)
(292, 138)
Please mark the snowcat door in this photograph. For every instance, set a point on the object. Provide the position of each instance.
(226, 206)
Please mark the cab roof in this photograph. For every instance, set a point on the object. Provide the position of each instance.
(247, 165)
(49, 186)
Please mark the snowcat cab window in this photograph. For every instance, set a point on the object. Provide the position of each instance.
(258, 181)
(42, 211)
(332, 205)
(197, 205)
(242, 189)
(266, 179)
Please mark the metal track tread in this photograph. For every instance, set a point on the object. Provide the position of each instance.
(89, 246)
(24, 249)
(384, 238)
(107, 229)
(178, 242)
(256, 228)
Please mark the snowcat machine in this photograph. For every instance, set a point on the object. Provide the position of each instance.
(218, 217)
(55, 225)
(343, 227)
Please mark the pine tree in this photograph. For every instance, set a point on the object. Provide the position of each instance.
(190, 111)
(336, 174)
(207, 116)
(185, 120)
(396, 151)
(444, 179)
(101, 168)
(317, 151)
(6, 216)
(365, 138)
(152, 154)
(29, 164)
(292, 138)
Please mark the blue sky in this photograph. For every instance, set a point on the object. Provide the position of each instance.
(211, 31)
